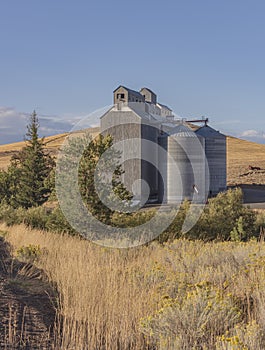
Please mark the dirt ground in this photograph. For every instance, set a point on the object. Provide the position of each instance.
(27, 311)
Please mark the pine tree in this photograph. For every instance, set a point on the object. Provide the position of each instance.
(33, 166)
(9, 183)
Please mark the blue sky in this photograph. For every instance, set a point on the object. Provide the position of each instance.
(64, 58)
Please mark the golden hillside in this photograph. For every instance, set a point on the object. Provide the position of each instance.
(240, 154)
(52, 144)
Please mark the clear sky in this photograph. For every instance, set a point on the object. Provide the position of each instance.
(64, 58)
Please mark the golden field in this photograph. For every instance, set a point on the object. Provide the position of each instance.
(241, 154)
(179, 296)
(52, 144)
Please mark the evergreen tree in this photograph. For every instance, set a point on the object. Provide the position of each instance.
(87, 169)
(9, 183)
(111, 190)
(32, 167)
(4, 186)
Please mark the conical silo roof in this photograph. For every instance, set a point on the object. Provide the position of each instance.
(208, 132)
(182, 131)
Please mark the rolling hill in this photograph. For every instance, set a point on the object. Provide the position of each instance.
(240, 154)
(52, 143)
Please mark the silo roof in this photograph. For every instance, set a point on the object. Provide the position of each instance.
(182, 131)
(208, 132)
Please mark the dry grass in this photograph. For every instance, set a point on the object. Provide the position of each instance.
(53, 143)
(101, 298)
(186, 295)
(241, 154)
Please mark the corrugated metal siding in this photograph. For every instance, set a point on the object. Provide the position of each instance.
(182, 167)
(215, 150)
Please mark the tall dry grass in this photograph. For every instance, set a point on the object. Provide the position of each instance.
(102, 297)
(184, 295)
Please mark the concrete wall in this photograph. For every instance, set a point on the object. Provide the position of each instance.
(125, 125)
(150, 152)
(122, 126)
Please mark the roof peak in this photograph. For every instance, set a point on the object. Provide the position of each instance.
(146, 88)
(208, 131)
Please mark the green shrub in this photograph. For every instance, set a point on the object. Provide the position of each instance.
(56, 222)
(11, 216)
(174, 231)
(225, 214)
(260, 221)
(40, 218)
(224, 218)
(36, 217)
(194, 320)
(3, 233)
(29, 253)
(242, 337)
(133, 219)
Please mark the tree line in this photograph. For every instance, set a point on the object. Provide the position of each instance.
(29, 180)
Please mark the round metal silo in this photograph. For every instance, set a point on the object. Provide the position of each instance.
(183, 167)
(162, 168)
(215, 150)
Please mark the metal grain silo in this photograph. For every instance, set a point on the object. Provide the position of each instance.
(182, 166)
(215, 150)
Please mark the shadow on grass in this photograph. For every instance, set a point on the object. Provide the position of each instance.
(27, 304)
